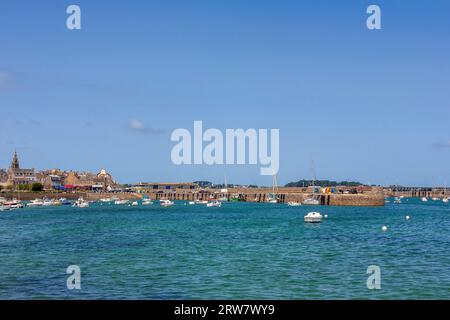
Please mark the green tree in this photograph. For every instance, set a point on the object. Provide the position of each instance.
(37, 187)
(23, 187)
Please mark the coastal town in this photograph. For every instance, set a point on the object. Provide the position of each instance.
(29, 184)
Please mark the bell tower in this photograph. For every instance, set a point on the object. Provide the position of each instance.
(15, 162)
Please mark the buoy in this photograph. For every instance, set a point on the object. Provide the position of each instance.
(384, 228)
(408, 217)
(325, 216)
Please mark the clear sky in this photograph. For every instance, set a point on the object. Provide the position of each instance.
(372, 106)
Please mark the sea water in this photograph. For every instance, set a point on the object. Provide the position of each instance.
(237, 251)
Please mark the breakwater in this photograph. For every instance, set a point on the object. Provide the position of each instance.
(283, 195)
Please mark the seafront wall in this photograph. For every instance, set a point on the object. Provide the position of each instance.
(284, 195)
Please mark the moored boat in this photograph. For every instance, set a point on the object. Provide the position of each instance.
(166, 203)
(294, 204)
(81, 203)
(214, 204)
(313, 217)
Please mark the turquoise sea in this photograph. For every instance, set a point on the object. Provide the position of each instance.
(238, 251)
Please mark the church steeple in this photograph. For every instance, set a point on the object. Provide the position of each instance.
(15, 161)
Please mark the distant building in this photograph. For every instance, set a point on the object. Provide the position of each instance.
(19, 176)
(3, 178)
(164, 186)
(89, 181)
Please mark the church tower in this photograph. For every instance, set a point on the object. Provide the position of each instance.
(15, 162)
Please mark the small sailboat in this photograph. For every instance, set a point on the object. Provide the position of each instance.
(312, 201)
(272, 197)
(313, 217)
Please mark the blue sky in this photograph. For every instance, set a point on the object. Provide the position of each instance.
(372, 106)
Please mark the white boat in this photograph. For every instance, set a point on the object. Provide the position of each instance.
(135, 203)
(147, 202)
(4, 208)
(121, 202)
(64, 202)
(272, 197)
(445, 200)
(397, 200)
(313, 217)
(294, 204)
(311, 202)
(424, 199)
(191, 203)
(35, 203)
(435, 199)
(13, 204)
(214, 204)
(81, 203)
(166, 203)
(48, 203)
(106, 200)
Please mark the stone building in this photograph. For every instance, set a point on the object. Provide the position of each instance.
(17, 175)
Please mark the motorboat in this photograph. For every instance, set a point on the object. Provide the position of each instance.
(214, 204)
(81, 203)
(147, 202)
(191, 203)
(135, 203)
(294, 204)
(13, 204)
(35, 203)
(445, 200)
(166, 203)
(121, 202)
(313, 217)
(424, 199)
(64, 202)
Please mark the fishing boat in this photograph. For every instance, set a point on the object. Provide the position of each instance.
(294, 204)
(214, 204)
(166, 203)
(313, 217)
(81, 203)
